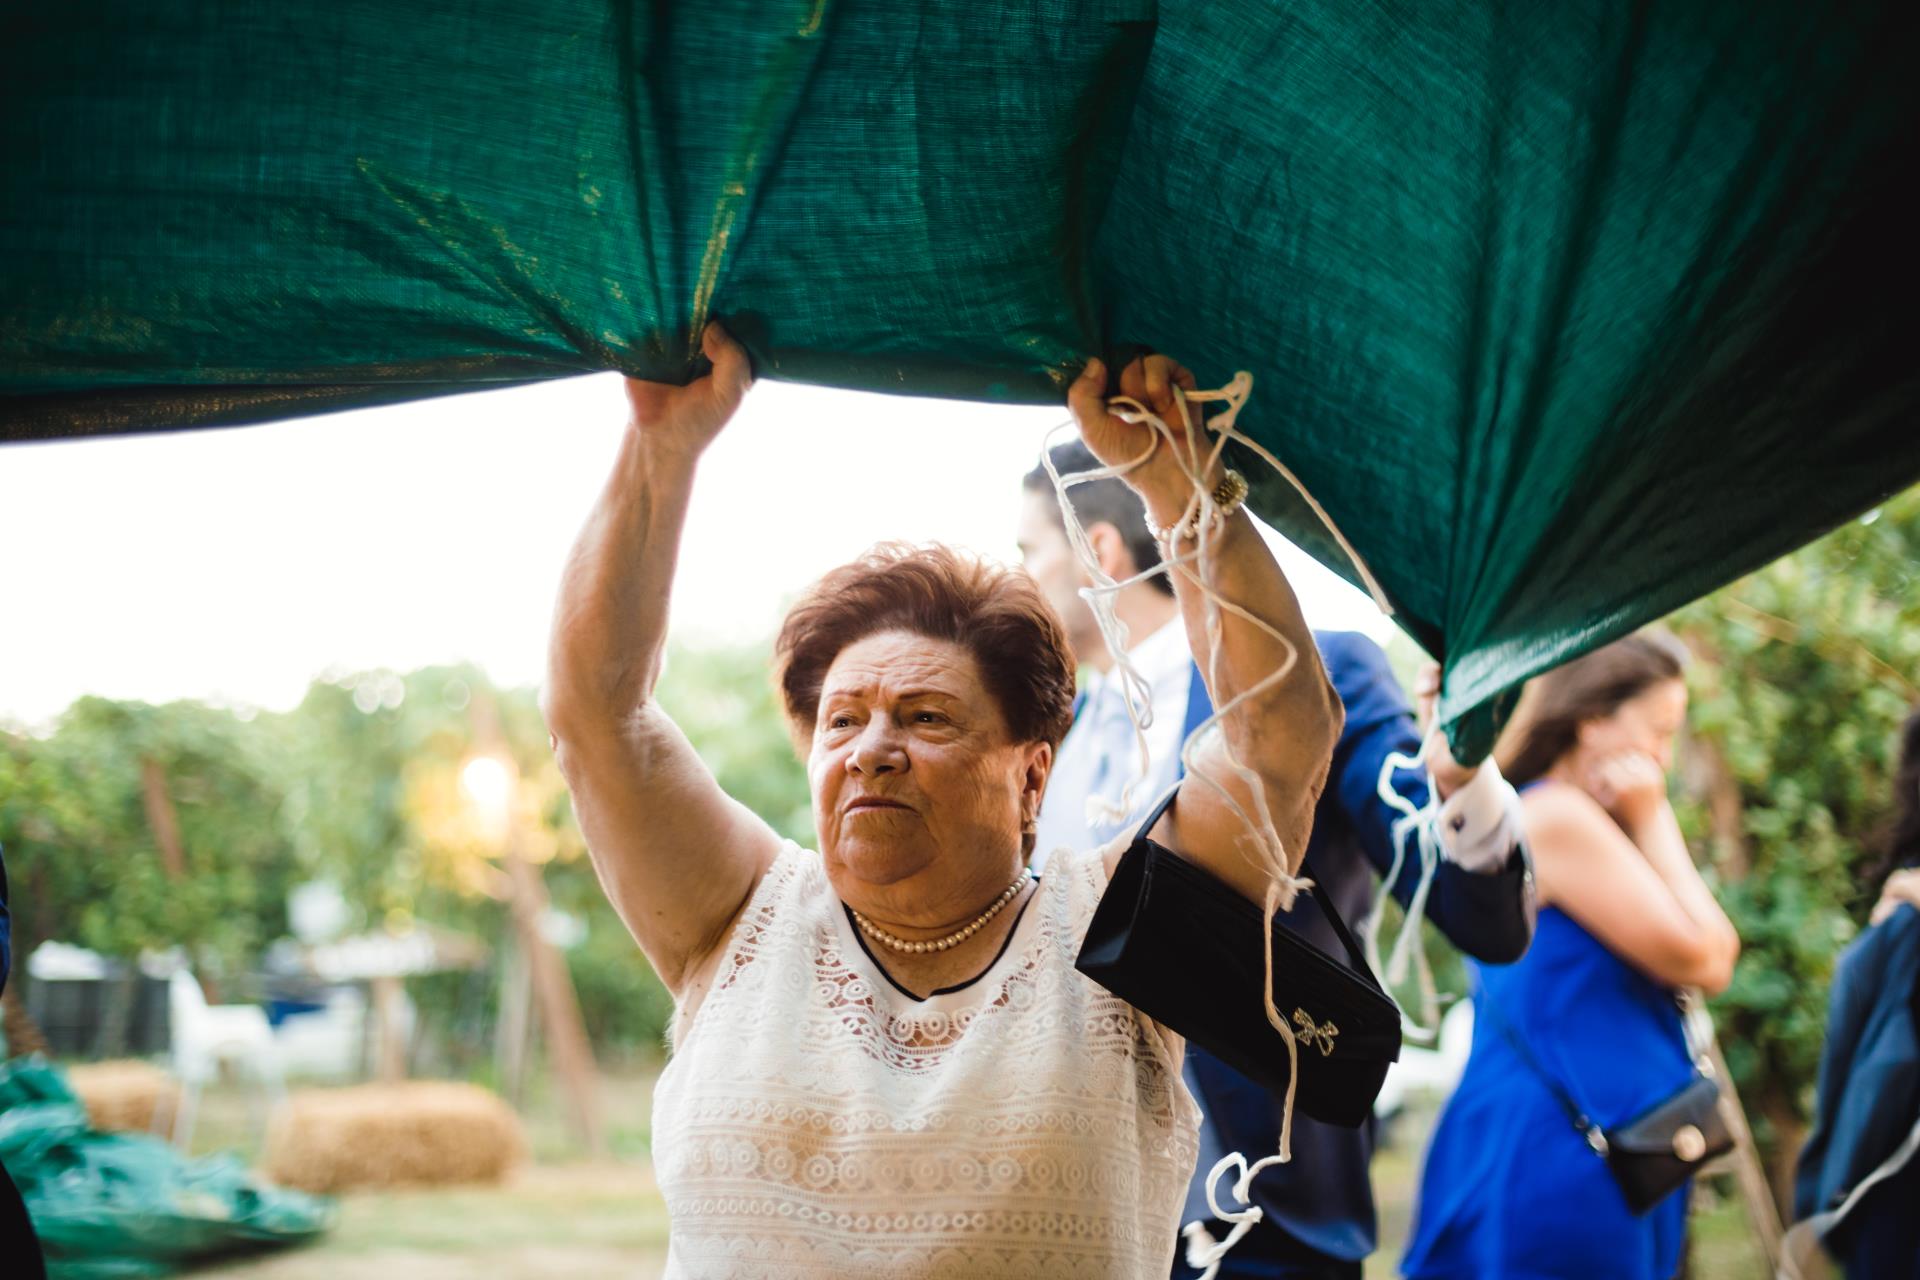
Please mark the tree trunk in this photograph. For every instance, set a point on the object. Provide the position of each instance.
(555, 1004)
(564, 1029)
(1726, 811)
(161, 817)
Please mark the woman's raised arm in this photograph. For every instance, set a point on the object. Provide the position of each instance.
(677, 856)
(1286, 734)
(1627, 879)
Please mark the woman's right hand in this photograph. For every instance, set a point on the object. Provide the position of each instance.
(1630, 786)
(680, 422)
(1902, 889)
(1152, 381)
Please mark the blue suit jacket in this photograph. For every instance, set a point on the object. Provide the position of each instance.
(1869, 1092)
(1323, 1200)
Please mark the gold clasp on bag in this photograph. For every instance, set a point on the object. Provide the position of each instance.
(1312, 1034)
(1689, 1144)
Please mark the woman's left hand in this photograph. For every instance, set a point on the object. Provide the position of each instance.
(1449, 775)
(1631, 786)
(1151, 380)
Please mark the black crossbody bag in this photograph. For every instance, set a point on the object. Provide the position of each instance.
(1178, 944)
(1651, 1155)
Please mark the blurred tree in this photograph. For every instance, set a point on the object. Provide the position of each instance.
(346, 757)
(134, 828)
(1805, 671)
(370, 763)
(726, 702)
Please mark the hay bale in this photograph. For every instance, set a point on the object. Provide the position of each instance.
(420, 1133)
(125, 1096)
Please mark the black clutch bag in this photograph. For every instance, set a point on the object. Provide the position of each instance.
(1656, 1151)
(1651, 1155)
(1175, 942)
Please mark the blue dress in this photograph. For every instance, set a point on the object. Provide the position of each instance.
(1510, 1190)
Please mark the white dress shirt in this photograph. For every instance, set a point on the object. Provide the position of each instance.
(1101, 753)
(1478, 824)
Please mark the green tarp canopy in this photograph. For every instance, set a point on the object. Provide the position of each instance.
(1567, 311)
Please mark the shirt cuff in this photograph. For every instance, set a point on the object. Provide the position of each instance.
(1480, 823)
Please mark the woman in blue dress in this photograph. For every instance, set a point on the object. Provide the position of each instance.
(1510, 1189)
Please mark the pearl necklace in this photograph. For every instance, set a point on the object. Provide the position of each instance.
(953, 939)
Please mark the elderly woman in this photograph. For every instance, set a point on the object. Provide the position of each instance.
(885, 1062)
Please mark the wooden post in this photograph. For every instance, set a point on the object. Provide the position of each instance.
(164, 822)
(553, 994)
(1755, 1188)
(514, 1028)
(390, 1053)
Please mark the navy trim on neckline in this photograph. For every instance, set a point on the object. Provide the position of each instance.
(1005, 942)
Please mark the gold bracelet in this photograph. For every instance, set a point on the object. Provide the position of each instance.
(1226, 498)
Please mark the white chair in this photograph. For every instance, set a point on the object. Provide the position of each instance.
(327, 1042)
(207, 1036)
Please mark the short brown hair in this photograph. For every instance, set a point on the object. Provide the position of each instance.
(1547, 722)
(995, 612)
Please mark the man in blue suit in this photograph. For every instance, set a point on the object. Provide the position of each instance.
(1317, 1212)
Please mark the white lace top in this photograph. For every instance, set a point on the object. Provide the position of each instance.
(816, 1121)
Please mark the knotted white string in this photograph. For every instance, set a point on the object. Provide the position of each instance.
(1420, 827)
(1204, 1253)
(1136, 691)
(1203, 513)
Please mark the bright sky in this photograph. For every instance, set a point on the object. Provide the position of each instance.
(235, 565)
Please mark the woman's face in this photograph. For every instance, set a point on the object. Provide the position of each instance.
(919, 792)
(1648, 724)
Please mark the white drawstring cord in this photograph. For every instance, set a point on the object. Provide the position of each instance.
(1202, 513)
(1420, 826)
(1204, 1254)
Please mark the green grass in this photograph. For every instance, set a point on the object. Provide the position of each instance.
(570, 1214)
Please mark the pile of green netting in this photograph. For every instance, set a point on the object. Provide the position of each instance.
(111, 1205)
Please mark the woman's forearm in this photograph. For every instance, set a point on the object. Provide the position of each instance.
(1287, 733)
(1659, 840)
(610, 620)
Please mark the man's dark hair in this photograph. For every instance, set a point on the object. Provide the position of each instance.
(1094, 501)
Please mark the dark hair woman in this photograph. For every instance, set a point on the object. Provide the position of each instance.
(1510, 1188)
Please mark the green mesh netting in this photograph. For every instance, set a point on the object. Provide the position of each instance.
(120, 1206)
(1567, 311)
